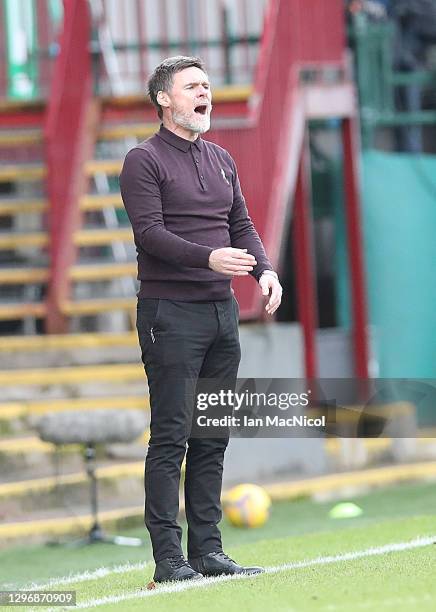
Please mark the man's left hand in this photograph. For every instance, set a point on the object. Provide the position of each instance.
(269, 283)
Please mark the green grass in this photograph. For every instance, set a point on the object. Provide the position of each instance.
(371, 583)
(299, 530)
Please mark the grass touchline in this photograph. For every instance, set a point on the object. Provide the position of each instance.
(418, 542)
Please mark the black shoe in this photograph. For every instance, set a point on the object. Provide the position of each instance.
(173, 569)
(218, 563)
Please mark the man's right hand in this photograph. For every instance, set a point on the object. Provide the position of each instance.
(232, 262)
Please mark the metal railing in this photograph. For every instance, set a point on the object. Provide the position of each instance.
(132, 37)
(379, 82)
(137, 34)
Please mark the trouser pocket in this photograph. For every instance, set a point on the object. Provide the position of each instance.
(147, 319)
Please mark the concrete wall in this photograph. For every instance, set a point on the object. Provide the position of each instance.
(272, 351)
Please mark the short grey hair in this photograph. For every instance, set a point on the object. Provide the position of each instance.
(162, 77)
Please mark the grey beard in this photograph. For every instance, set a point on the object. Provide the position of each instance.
(198, 128)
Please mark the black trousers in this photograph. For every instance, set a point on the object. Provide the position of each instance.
(182, 342)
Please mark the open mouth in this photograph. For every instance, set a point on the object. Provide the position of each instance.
(201, 109)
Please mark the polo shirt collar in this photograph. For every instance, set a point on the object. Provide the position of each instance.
(177, 141)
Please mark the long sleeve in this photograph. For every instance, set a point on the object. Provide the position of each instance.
(139, 184)
(243, 234)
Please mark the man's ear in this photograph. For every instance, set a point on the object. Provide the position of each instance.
(163, 98)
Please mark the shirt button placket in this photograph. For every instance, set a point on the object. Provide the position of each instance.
(199, 172)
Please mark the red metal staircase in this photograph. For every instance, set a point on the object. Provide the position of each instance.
(301, 75)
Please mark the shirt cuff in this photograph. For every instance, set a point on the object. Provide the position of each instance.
(270, 272)
(197, 256)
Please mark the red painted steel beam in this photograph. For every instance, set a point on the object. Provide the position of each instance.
(67, 134)
(289, 43)
(355, 247)
(304, 263)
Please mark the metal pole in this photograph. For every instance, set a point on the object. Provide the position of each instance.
(226, 45)
(304, 263)
(355, 247)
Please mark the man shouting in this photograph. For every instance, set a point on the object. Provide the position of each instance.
(193, 235)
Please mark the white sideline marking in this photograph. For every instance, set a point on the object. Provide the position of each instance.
(185, 586)
(100, 572)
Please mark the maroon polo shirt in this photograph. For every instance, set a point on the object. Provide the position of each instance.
(184, 200)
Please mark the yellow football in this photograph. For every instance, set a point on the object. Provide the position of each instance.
(247, 505)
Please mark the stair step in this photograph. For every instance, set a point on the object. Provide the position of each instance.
(11, 311)
(37, 485)
(100, 237)
(34, 108)
(22, 172)
(99, 202)
(15, 206)
(62, 525)
(24, 445)
(96, 272)
(18, 138)
(14, 276)
(32, 444)
(83, 272)
(96, 306)
(120, 470)
(20, 409)
(111, 167)
(120, 372)
(15, 240)
(128, 130)
(83, 237)
(68, 341)
(294, 489)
